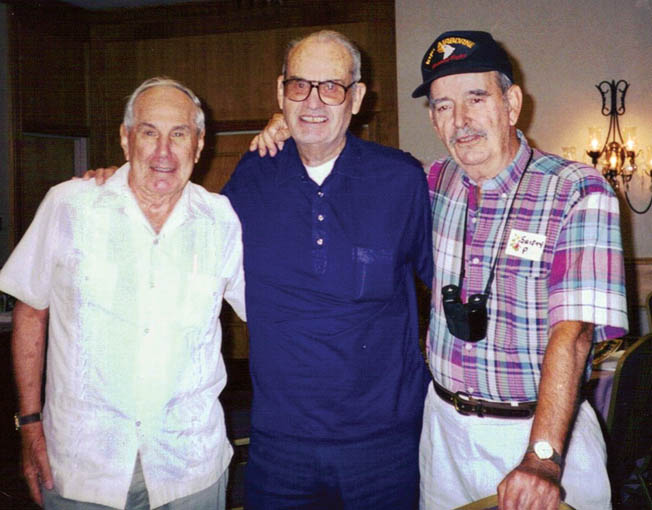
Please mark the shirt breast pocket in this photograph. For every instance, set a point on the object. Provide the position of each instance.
(523, 294)
(374, 273)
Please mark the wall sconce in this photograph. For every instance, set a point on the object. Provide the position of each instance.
(617, 157)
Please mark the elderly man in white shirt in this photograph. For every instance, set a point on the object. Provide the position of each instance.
(129, 277)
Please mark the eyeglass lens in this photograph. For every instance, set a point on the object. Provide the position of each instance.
(329, 92)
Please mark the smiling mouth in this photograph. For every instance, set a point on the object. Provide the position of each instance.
(163, 169)
(313, 119)
(469, 138)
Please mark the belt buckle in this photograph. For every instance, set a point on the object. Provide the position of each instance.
(476, 407)
(461, 396)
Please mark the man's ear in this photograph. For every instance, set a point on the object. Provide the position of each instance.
(515, 103)
(124, 141)
(200, 145)
(359, 90)
(279, 91)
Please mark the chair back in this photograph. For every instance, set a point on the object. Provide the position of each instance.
(629, 422)
(491, 503)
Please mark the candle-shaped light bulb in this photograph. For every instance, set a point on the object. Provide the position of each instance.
(630, 145)
(612, 160)
(594, 144)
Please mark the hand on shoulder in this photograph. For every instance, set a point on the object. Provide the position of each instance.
(272, 138)
(101, 175)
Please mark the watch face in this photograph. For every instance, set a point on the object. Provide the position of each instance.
(543, 449)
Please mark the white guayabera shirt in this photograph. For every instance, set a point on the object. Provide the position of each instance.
(134, 361)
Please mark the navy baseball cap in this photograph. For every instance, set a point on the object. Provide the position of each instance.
(460, 52)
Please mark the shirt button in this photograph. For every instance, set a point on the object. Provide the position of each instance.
(470, 390)
(320, 241)
(146, 331)
(473, 220)
(138, 423)
(468, 346)
(156, 241)
(476, 260)
(320, 217)
(320, 193)
(504, 195)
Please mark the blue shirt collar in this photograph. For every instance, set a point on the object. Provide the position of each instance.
(290, 164)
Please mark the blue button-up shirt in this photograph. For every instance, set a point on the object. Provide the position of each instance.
(330, 290)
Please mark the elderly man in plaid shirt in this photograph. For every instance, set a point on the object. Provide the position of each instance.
(528, 274)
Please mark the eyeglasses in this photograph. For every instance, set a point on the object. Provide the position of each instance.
(330, 93)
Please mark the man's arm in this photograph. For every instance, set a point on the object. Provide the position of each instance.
(28, 349)
(534, 483)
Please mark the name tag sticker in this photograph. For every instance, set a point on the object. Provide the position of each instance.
(525, 245)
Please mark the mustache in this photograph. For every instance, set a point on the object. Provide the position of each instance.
(466, 131)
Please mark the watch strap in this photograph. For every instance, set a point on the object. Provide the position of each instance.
(26, 419)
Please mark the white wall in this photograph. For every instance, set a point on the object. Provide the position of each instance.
(561, 49)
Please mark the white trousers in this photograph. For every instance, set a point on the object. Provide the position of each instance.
(464, 458)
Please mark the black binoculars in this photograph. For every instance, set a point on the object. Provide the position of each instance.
(468, 321)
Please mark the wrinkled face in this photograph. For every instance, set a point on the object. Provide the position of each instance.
(314, 125)
(475, 121)
(163, 144)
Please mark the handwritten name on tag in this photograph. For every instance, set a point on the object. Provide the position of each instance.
(525, 245)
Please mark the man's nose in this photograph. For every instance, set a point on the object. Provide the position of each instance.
(313, 99)
(460, 116)
(163, 146)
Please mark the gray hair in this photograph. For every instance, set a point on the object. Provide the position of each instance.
(163, 81)
(503, 82)
(324, 36)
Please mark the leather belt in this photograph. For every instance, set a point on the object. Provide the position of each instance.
(466, 405)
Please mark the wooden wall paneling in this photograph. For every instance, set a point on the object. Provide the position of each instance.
(381, 40)
(113, 75)
(229, 148)
(238, 16)
(45, 162)
(233, 70)
(48, 65)
(52, 84)
(51, 49)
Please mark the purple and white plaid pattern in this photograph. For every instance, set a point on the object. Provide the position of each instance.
(578, 276)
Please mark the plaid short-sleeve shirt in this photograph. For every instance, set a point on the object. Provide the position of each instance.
(559, 259)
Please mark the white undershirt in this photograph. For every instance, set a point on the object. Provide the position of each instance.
(320, 172)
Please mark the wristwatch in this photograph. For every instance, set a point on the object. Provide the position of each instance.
(544, 451)
(26, 419)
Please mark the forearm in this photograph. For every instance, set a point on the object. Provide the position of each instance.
(28, 350)
(563, 366)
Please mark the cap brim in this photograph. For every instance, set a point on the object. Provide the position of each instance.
(424, 88)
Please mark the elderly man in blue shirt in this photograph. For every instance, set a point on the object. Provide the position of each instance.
(334, 229)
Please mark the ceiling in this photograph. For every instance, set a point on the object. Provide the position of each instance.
(99, 5)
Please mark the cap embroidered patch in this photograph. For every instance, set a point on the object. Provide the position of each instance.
(462, 52)
(452, 48)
